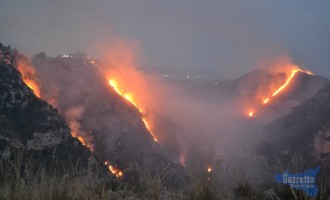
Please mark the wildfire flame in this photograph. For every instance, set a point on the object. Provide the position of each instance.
(29, 77)
(33, 86)
(266, 101)
(282, 87)
(118, 173)
(287, 82)
(129, 96)
(82, 140)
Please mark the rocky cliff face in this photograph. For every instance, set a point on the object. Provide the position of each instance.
(29, 124)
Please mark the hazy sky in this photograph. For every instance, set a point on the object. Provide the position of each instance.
(228, 36)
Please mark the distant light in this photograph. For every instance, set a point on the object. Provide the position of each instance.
(188, 76)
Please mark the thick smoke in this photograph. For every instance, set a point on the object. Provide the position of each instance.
(189, 117)
(192, 117)
(96, 114)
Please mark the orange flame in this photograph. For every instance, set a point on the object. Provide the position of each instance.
(113, 83)
(279, 90)
(81, 139)
(287, 82)
(33, 86)
(118, 173)
(29, 77)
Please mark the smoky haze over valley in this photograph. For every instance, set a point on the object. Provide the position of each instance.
(225, 37)
(175, 99)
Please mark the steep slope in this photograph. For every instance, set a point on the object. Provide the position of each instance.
(106, 121)
(305, 130)
(251, 89)
(30, 125)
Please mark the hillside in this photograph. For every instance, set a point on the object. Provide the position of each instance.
(29, 124)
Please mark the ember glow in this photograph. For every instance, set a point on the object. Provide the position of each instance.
(118, 173)
(129, 96)
(209, 169)
(266, 100)
(115, 171)
(81, 139)
(251, 114)
(282, 88)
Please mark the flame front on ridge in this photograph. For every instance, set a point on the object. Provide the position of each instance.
(129, 96)
(282, 87)
(29, 77)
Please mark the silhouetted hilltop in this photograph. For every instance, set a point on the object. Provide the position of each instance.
(29, 124)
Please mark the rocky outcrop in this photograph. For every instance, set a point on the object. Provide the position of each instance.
(29, 124)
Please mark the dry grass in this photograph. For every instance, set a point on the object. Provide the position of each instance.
(29, 180)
